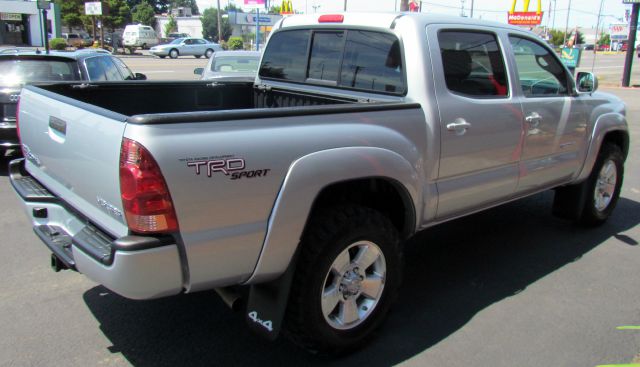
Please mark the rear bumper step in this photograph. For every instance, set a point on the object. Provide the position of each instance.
(138, 267)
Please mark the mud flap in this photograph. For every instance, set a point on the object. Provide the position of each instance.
(268, 302)
(568, 201)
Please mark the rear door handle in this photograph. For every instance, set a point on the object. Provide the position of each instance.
(533, 119)
(460, 126)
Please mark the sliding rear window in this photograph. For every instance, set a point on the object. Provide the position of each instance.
(350, 59)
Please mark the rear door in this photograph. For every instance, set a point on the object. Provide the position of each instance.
(74, 150)
(480, 121)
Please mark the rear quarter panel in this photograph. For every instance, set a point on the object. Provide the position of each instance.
(223, 221)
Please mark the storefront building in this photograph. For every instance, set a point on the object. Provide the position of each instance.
(21, 25)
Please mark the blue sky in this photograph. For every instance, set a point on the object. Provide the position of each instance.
(584, 13)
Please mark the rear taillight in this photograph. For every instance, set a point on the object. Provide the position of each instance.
(145, 196)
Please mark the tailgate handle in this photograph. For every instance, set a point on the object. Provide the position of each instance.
(58, 125)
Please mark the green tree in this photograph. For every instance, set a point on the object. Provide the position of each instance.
(232, 7)
(210, 25)
(143, 13)
(117, 16)
(171, 26)
(275, 9)
(604, 39)
(557, 37)
(159, 6)
(235, 43)
(70, 12)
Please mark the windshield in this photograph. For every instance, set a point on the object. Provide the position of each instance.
(16, 72)
(177, 41)
(235, 64)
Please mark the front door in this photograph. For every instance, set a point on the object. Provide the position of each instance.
(480, 121)
(555, 123)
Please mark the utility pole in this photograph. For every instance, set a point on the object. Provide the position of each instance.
(553, 25)
(345, 6)
(566, 27)
(631, 46)
(471, 16)
(595, 45)
(219, 24)
(462, 8)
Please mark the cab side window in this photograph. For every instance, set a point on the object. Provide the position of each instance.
(101, 69)
(473, 64)
(95, 69)
(540, 73)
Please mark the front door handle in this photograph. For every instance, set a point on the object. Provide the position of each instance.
(533, 119)
(460, 126)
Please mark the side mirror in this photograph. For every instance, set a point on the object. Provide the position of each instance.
(198, 71)
(140, 76)
(586, 82)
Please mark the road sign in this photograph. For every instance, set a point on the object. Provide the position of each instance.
(44, 4)
(631, 1)
(571, 57)
(254, 4)
(93, 8)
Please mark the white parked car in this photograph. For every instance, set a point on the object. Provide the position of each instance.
(187, 46)
(231, 66)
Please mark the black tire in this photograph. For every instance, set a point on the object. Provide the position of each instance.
(197, 56)
(174, 53)
(162, 57)
(208, 53)
(329, 235)
(594, 213)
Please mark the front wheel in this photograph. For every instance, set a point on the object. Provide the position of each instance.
(208, 53)
(603, 185)
(347, 276)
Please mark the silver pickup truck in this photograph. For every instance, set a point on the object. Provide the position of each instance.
(297, 191)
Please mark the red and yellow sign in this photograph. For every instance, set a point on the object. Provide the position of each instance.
(286, 8)
(525, 17)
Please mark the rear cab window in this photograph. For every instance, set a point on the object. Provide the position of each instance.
(346, 58)
(15, 71)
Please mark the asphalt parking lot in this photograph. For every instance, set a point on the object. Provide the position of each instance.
(512, 286)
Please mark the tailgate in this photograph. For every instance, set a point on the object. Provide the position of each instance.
(73, 149)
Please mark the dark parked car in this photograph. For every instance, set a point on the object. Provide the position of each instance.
(19, 68)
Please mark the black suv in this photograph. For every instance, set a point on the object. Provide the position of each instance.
(24, 67)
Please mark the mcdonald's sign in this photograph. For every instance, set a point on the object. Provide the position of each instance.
(525, 17)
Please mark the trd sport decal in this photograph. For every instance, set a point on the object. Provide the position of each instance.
(233, 168)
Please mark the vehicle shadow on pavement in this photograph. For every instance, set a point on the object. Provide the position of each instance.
(5, 158)
(453, 271)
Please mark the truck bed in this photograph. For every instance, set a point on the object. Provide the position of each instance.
(135, 98)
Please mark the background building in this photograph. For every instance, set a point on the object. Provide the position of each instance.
(20, 23)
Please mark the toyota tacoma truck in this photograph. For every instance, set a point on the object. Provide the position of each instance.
(296, 191)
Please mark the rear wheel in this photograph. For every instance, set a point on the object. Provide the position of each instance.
(174, 53)
(347, 276)
(197, 56)
(208, 53)
(162, 57)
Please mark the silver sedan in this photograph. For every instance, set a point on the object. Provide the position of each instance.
(186, 47)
